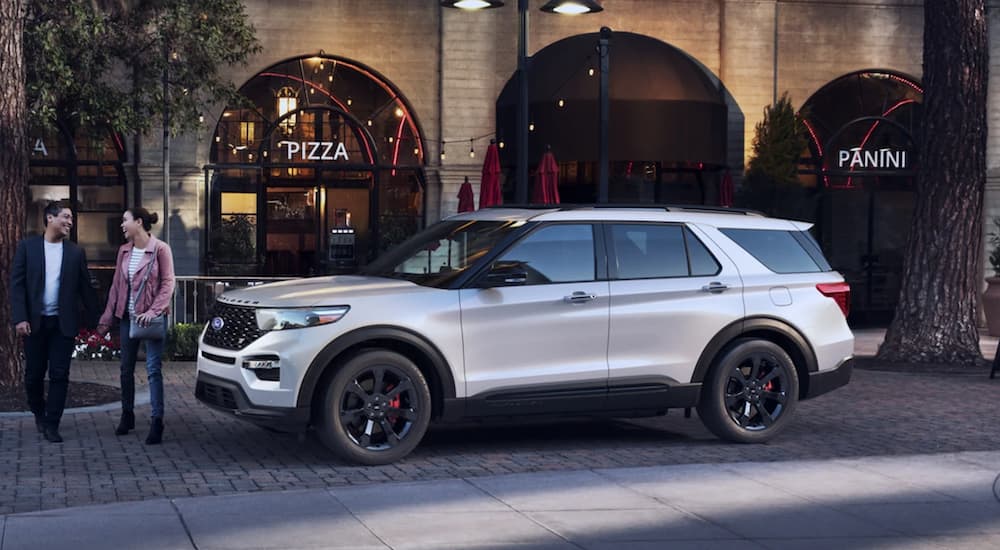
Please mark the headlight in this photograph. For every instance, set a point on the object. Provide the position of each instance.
(284, 319)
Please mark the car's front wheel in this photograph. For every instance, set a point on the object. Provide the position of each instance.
(750, 393)
(376, 408)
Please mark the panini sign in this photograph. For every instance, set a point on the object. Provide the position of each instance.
(872, 159)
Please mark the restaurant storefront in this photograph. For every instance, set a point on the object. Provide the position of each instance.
(668, 124)
(857, 182)
(318, 173)
(84, 168)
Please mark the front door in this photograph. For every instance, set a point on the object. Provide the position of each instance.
(866, 230)
(551, 329)
(290, 243)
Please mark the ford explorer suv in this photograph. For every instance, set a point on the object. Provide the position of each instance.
(510, 313)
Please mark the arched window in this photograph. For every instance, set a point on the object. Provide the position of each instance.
(317, 171)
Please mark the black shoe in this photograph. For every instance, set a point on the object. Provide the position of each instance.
(155, 432)
(52, 434)
(40, 424)
(126, 423)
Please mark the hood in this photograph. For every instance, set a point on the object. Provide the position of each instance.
(316, 291)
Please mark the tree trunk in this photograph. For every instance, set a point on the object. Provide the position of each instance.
(13, 173)
(935, 319)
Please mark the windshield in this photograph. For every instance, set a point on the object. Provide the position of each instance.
(440, 253)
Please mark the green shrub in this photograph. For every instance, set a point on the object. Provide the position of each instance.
(182, 341)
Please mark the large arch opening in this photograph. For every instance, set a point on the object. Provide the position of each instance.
(857, 181)
(318, 170)
(667, 125)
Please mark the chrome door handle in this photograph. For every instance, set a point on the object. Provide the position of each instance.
(579, 297)
(715, 287)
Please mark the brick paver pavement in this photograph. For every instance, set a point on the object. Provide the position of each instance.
(207, 453)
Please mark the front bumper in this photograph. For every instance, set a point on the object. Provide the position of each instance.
(227, 396)
(828, 380)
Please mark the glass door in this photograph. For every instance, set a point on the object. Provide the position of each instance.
(292, 226)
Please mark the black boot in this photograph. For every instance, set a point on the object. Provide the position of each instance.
(52, 434)
(126, 423)
(155, 431)
(40, 423)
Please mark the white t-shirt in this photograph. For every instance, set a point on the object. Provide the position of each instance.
(53, 269)
(133, 266)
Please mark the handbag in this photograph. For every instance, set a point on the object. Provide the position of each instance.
(156, 329)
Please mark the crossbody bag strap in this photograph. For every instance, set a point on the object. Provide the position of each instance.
(146, 276)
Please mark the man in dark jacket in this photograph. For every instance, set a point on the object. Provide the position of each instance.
(49, 279)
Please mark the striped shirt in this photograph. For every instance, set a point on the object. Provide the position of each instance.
(133, 266)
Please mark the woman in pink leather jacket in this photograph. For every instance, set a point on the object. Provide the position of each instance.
(143, 257)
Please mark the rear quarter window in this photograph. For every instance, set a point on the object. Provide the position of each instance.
(781, 251)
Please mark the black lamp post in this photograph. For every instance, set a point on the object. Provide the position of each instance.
(568, 7)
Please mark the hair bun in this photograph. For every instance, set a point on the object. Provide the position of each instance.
(153, 218)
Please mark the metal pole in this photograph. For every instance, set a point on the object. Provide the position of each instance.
(521, 183)
(166, 147)
(602, 129)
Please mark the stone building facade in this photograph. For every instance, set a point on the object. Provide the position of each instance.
(450, 67)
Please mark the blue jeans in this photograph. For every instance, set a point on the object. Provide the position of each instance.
(154, 362)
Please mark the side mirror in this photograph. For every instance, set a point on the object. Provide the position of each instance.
(506, 274)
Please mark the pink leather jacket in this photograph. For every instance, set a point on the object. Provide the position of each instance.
(158, 290)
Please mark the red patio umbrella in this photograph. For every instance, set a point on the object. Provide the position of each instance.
(466, 200)
(489, 188)
(726, 190)
(546, 180)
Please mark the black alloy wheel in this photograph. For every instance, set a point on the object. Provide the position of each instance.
(750, 393)
(376, 409)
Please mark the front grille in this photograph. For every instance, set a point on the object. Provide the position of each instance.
(215, 395)
(239, 327)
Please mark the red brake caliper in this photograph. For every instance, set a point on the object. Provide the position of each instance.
(394, 403)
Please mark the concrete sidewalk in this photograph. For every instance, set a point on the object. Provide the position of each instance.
(925, 501)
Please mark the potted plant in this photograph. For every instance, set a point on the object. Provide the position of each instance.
(991, 298)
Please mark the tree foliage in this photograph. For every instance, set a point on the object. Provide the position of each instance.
(96, 62)
(771, 182)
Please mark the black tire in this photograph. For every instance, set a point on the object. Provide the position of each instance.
(376, 408)
(750, 393)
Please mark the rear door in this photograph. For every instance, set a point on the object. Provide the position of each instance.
(548, 332)
(671, 292)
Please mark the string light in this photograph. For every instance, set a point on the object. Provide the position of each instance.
(442, 151)
(562, 103)
(590, 71)
(472, 149)
(531, 127)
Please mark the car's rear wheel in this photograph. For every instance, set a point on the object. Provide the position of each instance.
(376, 408)
(750, 393)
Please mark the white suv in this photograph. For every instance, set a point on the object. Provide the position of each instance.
(610, 311)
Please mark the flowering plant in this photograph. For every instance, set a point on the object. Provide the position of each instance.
(92, 346)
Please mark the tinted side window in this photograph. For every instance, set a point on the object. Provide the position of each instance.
(556, 254)
(703, 263)
(648, 251)
(780, 251)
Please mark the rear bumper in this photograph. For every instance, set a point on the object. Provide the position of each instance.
(829, 380)
(227, 396)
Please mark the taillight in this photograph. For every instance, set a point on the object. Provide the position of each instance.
(840, 292)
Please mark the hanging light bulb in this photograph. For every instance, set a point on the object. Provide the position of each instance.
(562, 103)
(442, 151)
(349, 101)
(531, 127)
(416, 151)
(472, 150)
(391, 139)
(369, 122)
(501, 144)
(590, 71)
